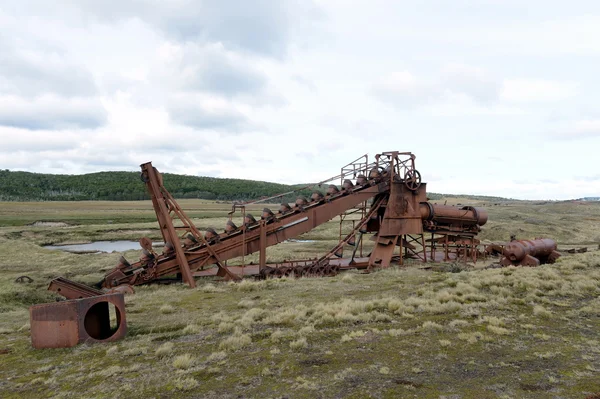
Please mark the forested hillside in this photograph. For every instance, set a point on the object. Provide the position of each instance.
(125, 186)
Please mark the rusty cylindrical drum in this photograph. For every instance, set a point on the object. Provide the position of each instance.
(518, 250)
(451, 214)
(68, 323)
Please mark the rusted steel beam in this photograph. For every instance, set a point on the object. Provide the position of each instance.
(231, 246)
(153, 182)
(71, 289)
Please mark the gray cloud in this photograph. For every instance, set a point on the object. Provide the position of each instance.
(29, 68)
(198, 116)
(36, 141)
(41, 89)
(406, 90)
(581, 130)
(51, 113)
(303, 81)
(470, 81)
(33, 74)
(259, 26)
(212, 69)
(591, 178)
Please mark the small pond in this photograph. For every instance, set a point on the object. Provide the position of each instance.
(118, 246)
(99, 246)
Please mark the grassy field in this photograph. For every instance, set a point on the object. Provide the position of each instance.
(401, 332)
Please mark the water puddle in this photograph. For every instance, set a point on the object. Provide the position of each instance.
(99, 246)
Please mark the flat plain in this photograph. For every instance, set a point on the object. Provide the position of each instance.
(407, 332)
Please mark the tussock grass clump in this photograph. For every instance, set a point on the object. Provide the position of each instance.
(50, 381)
(166, 309)
(191, 329)
(287, 317)
(245, 303)
(471, 337)
(37, 381)
(432, 326)
(396, 306)
(542, 312)
(236, 341)
(384, 370)
(164, 350)
(306, 330)
(458, 323)
(278, 335)
(344, 374)
(591, 309)
(110, 371)
(4, 330)
(43, 369)
(135, 351)
(298, 344)
(396, 332)
(547, 355)
(303, 383)
(216, 357)
(352, 335)
(498, 330)
(251, 317)
(492, 320)
(186, 384)
(445, 343)
(225, 326)
(183, 362)
(210, 288)
(112, 350)
(543, 337)
(249, 285)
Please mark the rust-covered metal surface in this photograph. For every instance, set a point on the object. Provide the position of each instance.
(71, 289)
(529, 252)
(385, 191)
(86, 320)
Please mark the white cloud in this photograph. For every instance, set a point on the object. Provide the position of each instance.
(283, 91)
(404, 89)
(474, 82)
(537, 90)
(51, 112)
(584, 129)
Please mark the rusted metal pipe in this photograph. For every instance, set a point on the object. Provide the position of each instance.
(452, 214)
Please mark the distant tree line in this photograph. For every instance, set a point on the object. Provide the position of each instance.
(127, 186)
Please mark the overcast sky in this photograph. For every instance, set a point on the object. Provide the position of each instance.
(495, 97)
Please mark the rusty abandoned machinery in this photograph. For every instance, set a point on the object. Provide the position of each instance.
(386, 193)
(84, 318)
(384, 197)
(529, 252)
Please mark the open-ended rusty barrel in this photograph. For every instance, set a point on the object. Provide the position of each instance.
(466, 215)
(530, 252)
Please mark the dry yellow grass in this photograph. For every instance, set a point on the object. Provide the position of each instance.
(394, 333)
